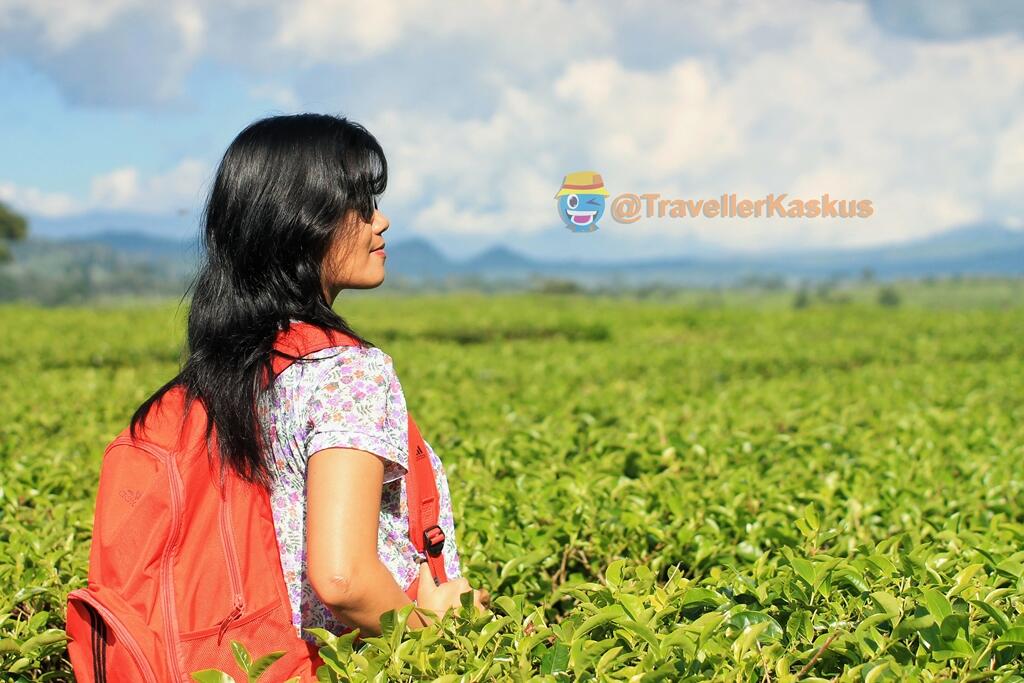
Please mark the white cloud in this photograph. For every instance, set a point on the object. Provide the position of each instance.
(117, 188)
(179, 188)
(528, 34)
(109, 52)
(688, 99)
(342, 31)
(844, 110)
(61, 24)
(650, 125)
(279, 95)
(38, 202)
(1007, 175)
(191, 24)
(125, 188)
(490, 175)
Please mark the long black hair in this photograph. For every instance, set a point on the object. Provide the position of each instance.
(278, 202)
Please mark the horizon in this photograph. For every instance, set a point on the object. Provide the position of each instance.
(716, 255)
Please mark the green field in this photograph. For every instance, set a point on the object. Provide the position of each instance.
(689, 487)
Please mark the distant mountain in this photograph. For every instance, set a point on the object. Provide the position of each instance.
(957, 242)
(499, 259)
(141, 244)
(68, 272)
(417, 258)
(971, 249)
(177, 225)
(975, 249)
(977, 236)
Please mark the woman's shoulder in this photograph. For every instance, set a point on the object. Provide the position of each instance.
(350, 351)
(338, 380)
(351, 355)
(346, 354)
(331, 363)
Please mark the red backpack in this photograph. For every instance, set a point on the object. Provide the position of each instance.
(180, 566)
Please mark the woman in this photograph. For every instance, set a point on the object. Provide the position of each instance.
(291, 221)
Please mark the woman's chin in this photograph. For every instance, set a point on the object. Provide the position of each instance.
(370, 282)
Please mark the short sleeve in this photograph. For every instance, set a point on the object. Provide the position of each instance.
(357, 402)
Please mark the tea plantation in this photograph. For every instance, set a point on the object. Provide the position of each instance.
(681, 489)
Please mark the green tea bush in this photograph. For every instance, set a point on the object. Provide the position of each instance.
(650, 490)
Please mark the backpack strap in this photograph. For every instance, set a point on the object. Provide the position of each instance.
(421, 493)
(420, 486)
(302, 339)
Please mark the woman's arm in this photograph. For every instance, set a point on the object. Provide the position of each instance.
(344, 487)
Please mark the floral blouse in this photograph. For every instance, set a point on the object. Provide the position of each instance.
(349, 397)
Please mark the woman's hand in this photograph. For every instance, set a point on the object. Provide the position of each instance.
(441, 598)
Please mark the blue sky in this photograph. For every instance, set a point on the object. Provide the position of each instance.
(116, 111)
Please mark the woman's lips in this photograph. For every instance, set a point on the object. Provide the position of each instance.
(380, 252)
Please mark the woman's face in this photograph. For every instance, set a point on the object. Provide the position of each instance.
(356, 259)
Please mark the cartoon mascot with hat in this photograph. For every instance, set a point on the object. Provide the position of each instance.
(581, 200)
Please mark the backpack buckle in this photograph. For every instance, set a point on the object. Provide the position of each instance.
(433, 540)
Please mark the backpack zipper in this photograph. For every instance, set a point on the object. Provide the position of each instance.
(234, 575)
(170, 617)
